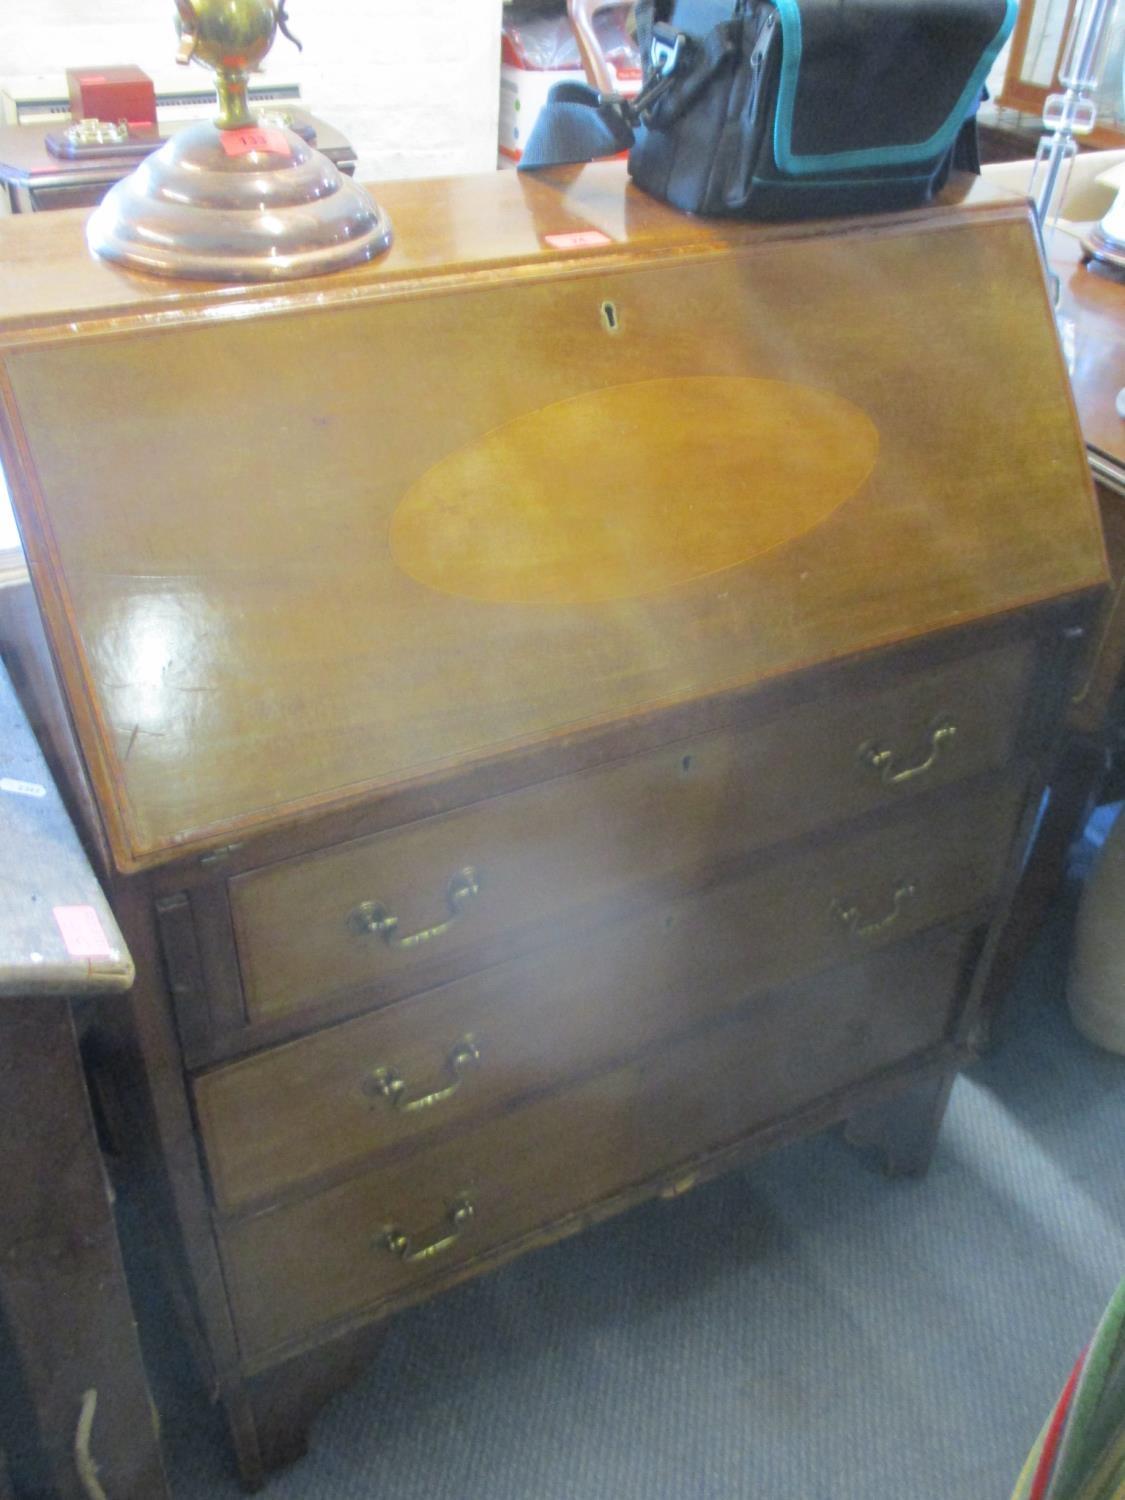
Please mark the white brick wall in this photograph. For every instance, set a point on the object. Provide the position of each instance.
(413, 86)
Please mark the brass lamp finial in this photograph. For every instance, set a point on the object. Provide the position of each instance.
(231, 37)
(230, 200)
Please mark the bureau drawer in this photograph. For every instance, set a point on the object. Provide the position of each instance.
(297, 1268)
(274, 1120)
(385, 910)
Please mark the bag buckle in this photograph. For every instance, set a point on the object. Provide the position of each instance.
(667, 48)
(665, 54)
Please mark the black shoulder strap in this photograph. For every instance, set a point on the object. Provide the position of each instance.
(577, 124)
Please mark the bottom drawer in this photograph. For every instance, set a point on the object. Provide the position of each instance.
(376, 1237)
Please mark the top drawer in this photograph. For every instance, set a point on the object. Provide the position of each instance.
(378, 910)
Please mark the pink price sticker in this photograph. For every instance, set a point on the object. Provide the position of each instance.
(251, 138)
(82, 932)
(583, 239)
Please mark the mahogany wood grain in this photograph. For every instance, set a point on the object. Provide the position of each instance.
(297, 620)
(73, 1391)
(1104, 667)
(192, 899)
(249, 649)
(486, 222)
(282, 1400)
(141, 1062)
(294, 1268)
(1092, 322)
(296, 1112)
(1091, 300)
(297, 1394)
(541, 853)
(888, 670)
(68, 1340)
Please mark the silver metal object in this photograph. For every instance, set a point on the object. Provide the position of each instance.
(243, 205)
(236, 200)
(1070, 114)
(97, 132)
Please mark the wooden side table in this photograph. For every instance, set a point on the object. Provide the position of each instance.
(76, 1419)
(1092, 325)
(32, 180)
(1093, 310)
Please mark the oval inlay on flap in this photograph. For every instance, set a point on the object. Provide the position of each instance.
(632, 490)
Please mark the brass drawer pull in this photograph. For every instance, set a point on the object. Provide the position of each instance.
(401, 1244)
(373, 916)
(390, 1085)
(850, 915)
(877, 758)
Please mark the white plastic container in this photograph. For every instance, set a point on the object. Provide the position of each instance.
(1096, 990)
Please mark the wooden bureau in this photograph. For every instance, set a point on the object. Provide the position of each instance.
(560, 709)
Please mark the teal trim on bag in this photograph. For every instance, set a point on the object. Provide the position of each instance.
(835, 182)
(873, 156)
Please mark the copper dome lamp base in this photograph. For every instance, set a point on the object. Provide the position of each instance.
(236, 200)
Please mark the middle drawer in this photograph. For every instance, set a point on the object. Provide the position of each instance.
(411, 907)
(272, 1121)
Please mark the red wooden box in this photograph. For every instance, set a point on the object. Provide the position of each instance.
(121, 93)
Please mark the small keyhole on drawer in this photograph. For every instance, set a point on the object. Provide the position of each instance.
(609, 317)
(686, 764)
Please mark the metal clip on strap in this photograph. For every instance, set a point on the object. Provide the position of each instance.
(667, 48)
(665, 54)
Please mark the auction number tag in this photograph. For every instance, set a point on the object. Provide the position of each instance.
(583, 239)
(254, 138)
(21, 788)
(82, 932)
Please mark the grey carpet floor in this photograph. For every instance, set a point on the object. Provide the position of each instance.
(802, 1328)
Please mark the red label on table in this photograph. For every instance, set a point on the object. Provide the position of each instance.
(82, 932)
(253, 138)
(581, 240)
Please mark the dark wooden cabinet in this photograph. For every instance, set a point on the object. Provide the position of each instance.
(76, 1417)
(560, 715)
(1088, 763)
